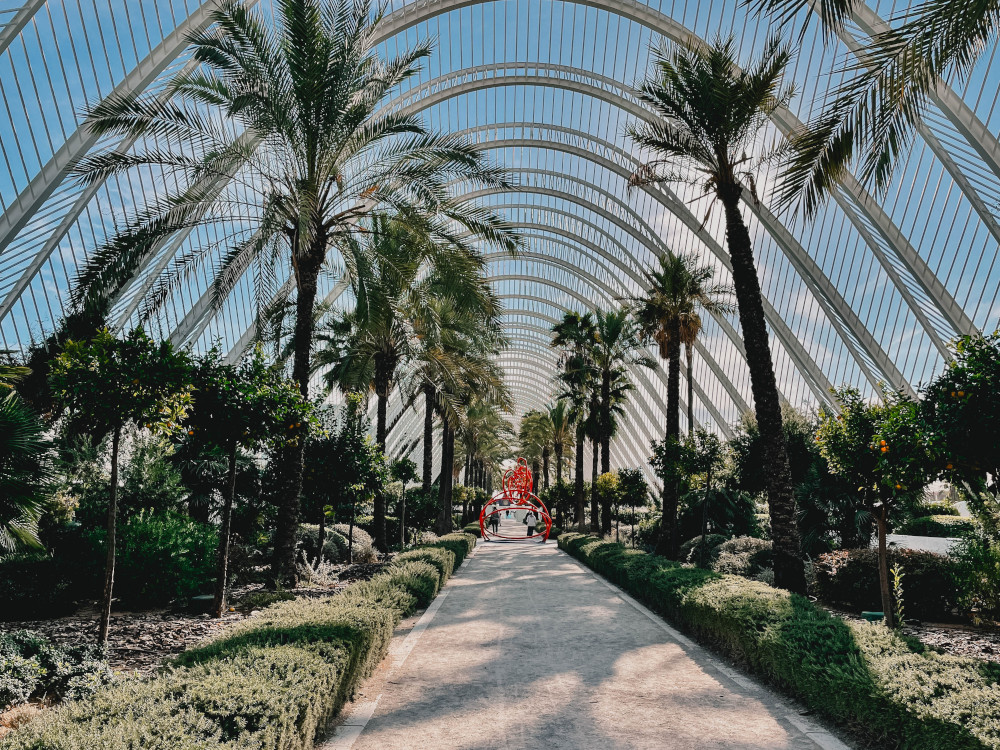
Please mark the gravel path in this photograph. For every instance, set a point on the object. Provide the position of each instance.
(525, 649)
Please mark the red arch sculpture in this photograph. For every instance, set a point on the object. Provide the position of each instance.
(515, 495)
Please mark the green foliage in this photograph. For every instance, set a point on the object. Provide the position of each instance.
(162, 557)
(859, 675)
(977, 573)
(744, 556)
(403, 470)
(849, 578)
(261, 600)
(940, 526)
(693, 551)
(473, 529)
(32, 667)
(105, 383)
(25, 471)
(441, 558)
(272, 681)
(460, 545)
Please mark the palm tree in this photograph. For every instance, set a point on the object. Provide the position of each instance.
(562, 433)
(617, 348)
(574, 334)
(25, 468)
(875, 113)
(308, 155)
(711, 113)
(533, 439)
(668, 313)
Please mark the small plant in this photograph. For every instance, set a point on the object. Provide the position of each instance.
(897, 593)
(319, 572)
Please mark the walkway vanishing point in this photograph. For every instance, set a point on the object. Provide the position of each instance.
(526, 649)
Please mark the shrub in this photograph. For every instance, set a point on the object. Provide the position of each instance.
(261, 599)
(938, 508)
(334, 543)
(34, 586)
(440, 557)
(939, 526)
(364, 547)
(272, 681)
(473, 528)
(163, 557)
(743, 556)
(691, 551)
(461, 545)
(850, 578)
(859, 674)
(32, 667)
(977, 574)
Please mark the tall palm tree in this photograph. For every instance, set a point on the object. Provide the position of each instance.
(277, 141)
(669, 314)
(875, 114)
(574, 335)
(534, 439)
(710, 114)
(562, 433)
(617, 348)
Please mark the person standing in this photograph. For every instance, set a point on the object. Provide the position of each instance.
(530, 520)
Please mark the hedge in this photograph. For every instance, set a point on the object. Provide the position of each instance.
(940, 526)
(885, 689)
(272, 682)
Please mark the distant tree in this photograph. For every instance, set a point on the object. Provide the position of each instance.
(109, 383)
(634, 493)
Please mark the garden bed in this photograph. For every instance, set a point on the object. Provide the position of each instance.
(270, 681)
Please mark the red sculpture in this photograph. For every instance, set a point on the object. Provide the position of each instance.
(515, 495)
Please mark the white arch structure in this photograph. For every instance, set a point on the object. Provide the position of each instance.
(871, 293)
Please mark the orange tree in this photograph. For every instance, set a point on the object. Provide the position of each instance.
(246, 406)
(107, 384)
(962, 408)
(884, 448)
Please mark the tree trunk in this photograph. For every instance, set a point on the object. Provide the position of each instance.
(595, 511)
(690, 387)
(883, 569)
(668, 544)
(536, 472)
(383, 382)
(606, 425)
(558, 448)
(428, 437)
(560, 520)
(789, 571)
(283, 565)
(578, 494)
(444, 522)
(224, 533)
(109, 567)
(545, 468)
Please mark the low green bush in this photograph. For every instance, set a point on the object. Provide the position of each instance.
(939, 508)
(743, 556)
(33, 667)
(977, 574)
(162, 557)
(461, 545)
(261, 599)
(940, 526)
(692, 550)
(440, 557)
(849, 578)
(473, 528)
(271, 682)
(858, 674)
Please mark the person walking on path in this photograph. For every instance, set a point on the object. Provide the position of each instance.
(530, 520)
(495, 523)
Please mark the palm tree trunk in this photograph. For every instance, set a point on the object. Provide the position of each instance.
(444, 522)
(789, 571)
(428, 437)
(535, 473)
(690, 387)
(578, 489)
(378, 515)
(559, 462)
(605, 429)
(595, 512)
(545, 468)
(283, 565)
(560, 521)
(228, 492)
(668, 543)
(109, 567)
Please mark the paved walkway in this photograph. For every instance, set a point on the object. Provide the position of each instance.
(525, 648)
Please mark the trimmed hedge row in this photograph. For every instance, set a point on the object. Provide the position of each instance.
(883, 688)
(272, 682)
(940, 526)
